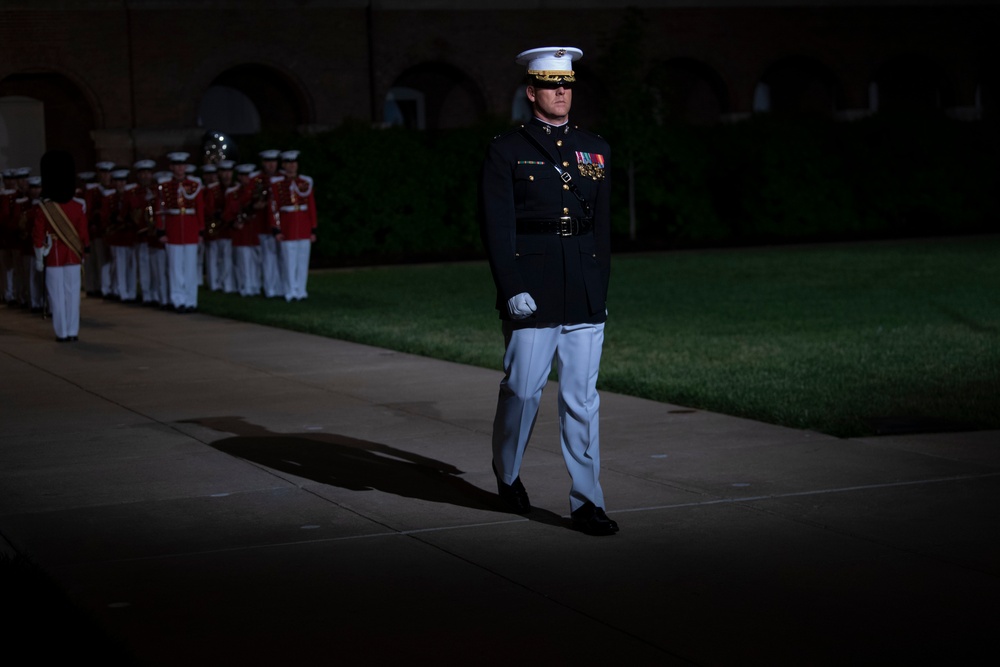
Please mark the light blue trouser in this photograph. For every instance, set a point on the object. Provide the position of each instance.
(527, 362)
(269, 266)
(182, 266)
(63, 285)
(295, 266)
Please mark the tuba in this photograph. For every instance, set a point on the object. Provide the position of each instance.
(216, 146)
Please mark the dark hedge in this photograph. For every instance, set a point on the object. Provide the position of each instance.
(403, 195)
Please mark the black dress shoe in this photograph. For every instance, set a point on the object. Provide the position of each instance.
(514, 496)
(592, 520)
(604, 517)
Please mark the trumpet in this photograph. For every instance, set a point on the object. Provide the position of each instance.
(144, 220)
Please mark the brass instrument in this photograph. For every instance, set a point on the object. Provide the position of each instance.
(145, 220)
(216, 146)
(258, 200)
(215, 226)
(260, 191)
(116, 224)
(161, 204)
(276, 212)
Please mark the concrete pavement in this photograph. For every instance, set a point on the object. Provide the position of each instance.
(215, 492)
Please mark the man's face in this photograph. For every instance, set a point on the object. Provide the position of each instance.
(226, 177)
(290, 167)
(270, 167)
(178, 170)
(144, 176)
(551, 104)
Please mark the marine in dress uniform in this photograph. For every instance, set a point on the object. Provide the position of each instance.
(21, 237)
(218, 254)
(545, 222)
(7, 196)
(36, 275)
(227, 179)
(293, 218)
(120, 235)
(101, 250)
(159, 275)
(210, 188)
(60, 236)
(269, 258)
(238, 213)
(182, 222)
(142, 207)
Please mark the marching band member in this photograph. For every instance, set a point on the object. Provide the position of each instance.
(268, 243)
(20, 237)
(7, 234)
(101, 252)
(60, 236)
(182, 223)
(142, 205)
(293, 219)
(35, 276)
(224, 237)
(240, 214)
(120, 235)
(214, 196)
(159, 276)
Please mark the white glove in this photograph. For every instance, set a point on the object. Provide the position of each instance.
(48, 245)
(521, 306)
(39, 262)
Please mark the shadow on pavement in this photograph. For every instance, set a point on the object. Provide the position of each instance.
(356, 465)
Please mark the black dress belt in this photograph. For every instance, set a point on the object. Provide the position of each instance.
(564, 226)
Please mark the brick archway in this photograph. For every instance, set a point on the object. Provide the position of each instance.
(251, 97)
(435, 96)
(67, 116)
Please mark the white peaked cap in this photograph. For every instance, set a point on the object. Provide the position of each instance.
(550, 59)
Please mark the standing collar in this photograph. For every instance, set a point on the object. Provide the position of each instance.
(548, 128)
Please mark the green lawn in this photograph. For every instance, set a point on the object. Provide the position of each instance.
(837, 338)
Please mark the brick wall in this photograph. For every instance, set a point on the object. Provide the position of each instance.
(142, 71)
